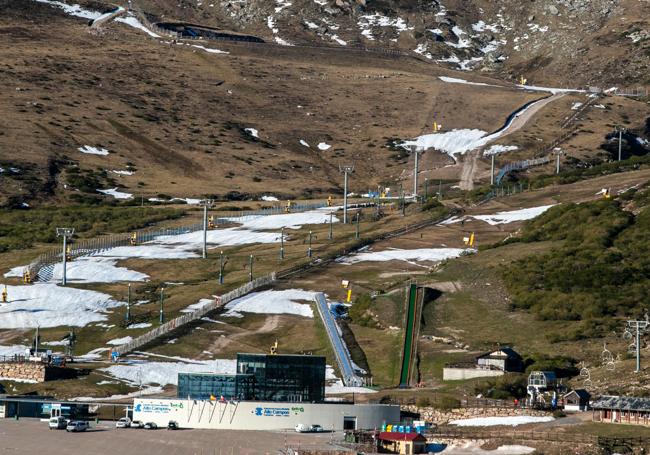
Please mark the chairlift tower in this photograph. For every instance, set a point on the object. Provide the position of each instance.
(65, 233)
(346, 170)
(634, 330)
(620, 131)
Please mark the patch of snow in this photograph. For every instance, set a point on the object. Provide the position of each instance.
(166, 373)
(303, 142)
(133, 21)
(88, 150)
(48, 305)
(141, 325)
(336, 387)
(18, 349)
(73, 10)
(453, 80)
(576, 106)
(120, 341)
(272, 302)
(253, 132)
(417, 255)
(95, 354)
(463, 42)
(497, 148)
(95, 270)
(513, 216)
(495, 421)
(197, 306)
(286, 220)
(116, 194)
(122, 172)
(324, 146)
(269, 199)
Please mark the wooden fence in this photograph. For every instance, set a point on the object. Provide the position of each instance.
(180, 321)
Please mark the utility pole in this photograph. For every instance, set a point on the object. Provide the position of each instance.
(634, 329)
(282, 244)
(309, 251)
(357, 231)
(128, 304)
(620, 142)
(416, 153)
(221, 267)
(250, 268)
(331, 234)
(162, 302)
(402, 199)
(492, 170)
(205, 203)
(65, 233)
(346, 170)
(557, 164)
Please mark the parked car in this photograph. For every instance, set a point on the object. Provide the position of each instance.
(58, 423)
(124, 422)
(172, 425)
(302, 428)
(77, 425)
(137, 424)
(150, 426)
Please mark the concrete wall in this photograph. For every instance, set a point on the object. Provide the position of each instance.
(258, 415)
(458, 374)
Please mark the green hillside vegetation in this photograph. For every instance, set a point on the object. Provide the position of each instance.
(599, 270)
(20, 229)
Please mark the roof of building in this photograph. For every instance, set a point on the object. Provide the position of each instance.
(386, 436)
(622, 403)
(503, 352)
(582, 393)
(549, 375)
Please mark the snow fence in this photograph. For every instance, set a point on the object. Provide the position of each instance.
(180, 321)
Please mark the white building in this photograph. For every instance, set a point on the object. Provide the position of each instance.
(262, 415)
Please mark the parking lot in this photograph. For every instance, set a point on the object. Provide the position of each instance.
(31, 436)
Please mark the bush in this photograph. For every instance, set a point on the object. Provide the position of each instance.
(423, 402)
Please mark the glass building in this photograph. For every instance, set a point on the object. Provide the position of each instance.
(261, 377)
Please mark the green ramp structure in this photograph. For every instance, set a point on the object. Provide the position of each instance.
(414, 301)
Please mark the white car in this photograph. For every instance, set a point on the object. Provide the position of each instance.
(78, 425)
(58, 423)
(124, 422)
(302, 428)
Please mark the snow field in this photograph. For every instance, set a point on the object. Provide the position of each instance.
(48, 305)
(416, 255)
(272, 302)
(495, 421)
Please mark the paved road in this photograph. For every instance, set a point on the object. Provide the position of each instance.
(31, 436)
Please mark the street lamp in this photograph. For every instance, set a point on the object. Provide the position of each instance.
(205, 203)
(620, 130)
(346, 170)
(65, 233)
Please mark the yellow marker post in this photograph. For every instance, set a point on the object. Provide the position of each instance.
(211, 222)
(329, 201)
(27, 278)
(68, 254)
(349, 298)
(4, 294)
(134, 239)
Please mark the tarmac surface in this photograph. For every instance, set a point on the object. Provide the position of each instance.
(31, 436)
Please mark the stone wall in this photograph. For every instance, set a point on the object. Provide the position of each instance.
(25, 371)
(438, 416)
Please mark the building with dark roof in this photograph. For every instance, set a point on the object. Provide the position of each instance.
(576, 400)
(618, 409)
(505, 359)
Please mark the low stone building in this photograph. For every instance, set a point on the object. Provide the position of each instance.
(619, 409)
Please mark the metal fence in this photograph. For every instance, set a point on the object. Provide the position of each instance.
(42, 268)
(520, 165)
(341, 353)
(195, 315)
